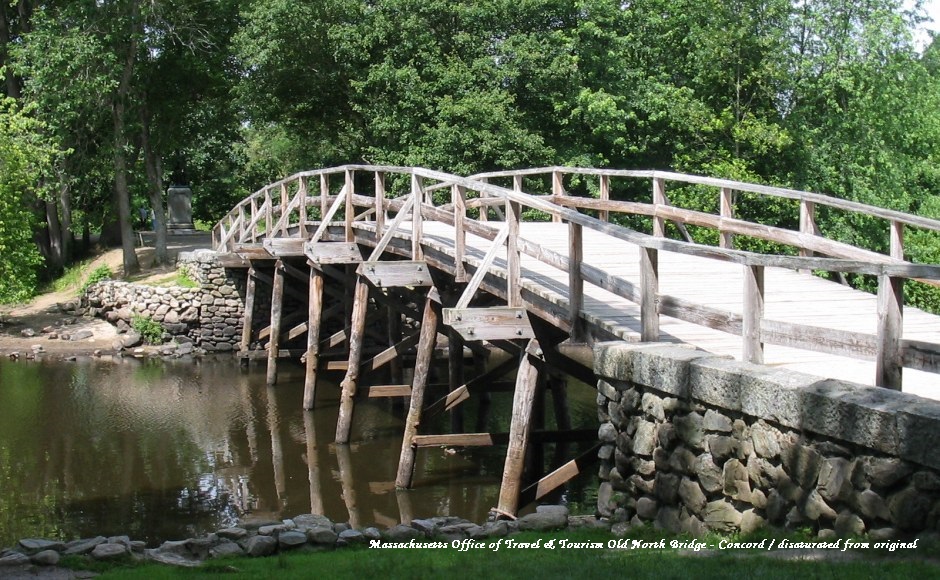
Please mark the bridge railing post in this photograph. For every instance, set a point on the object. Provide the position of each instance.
(659, 198)
(324, 194)
(417, 225)
(753, 314)
(253, 234)
(603, 214)
(379, 204)
(649, 293)
(513, 252)
(889, 362)
(285, 201)
(268, 211)
(350, 213)
(726, 239)
(558, 188)
(575, 281)
(302, 205)
(458, 197)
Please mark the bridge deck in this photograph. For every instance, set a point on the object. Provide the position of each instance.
(789, 296)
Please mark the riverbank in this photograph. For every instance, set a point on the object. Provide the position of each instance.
(53, 325)
(549, 544)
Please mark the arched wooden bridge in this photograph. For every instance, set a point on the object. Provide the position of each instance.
(379, 261)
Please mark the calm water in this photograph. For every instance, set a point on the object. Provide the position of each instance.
(165, 450)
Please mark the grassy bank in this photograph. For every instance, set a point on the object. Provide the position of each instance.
(566, 560)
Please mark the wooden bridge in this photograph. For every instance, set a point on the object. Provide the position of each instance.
(367, 266)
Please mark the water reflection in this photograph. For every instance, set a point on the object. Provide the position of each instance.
(164, 450)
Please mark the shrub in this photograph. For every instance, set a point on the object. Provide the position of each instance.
(150, 330)
(100, 273)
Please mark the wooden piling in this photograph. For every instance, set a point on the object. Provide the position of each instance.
(356, 336)
(314, 320)
(522, 401)
(428, 339)
(455, 376)
(277, 305)
(248, 319)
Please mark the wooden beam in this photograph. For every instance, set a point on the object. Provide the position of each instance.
(389, 354)
(428, 339)
(455, 440)
(378, 391)
(333, 252)
(357, 330)
(495, 323)
(277, 305)
(483, 268)
(385, 274)
(284, 247)
(526, 381)
(726, 239)
(513, 255)
(458, 196)
(889, 363)
(314, 321)
(753, 314)
(559, 477)
(462, 393)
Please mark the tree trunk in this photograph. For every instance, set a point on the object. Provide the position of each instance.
(155, 185)
(65, 219)
(56, 259)
(121, 192)
(12, 82)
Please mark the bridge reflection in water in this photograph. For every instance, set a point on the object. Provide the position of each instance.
(165, 450)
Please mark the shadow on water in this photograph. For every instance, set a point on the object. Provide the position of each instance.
(169, 449)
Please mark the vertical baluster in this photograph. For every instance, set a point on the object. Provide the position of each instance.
(726, 239)
(458, 197)
(753, 314)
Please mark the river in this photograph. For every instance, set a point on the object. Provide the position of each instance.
(163, 450)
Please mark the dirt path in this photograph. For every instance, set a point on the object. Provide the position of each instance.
(47, 311)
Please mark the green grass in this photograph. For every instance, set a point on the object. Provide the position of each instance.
(77, 276)
(544, 564)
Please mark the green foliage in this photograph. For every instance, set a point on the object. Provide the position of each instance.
(100, 273)
(183, 280)
(25, 156)
(149, 329)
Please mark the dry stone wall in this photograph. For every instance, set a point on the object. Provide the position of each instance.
(210, 316)
(692, 442)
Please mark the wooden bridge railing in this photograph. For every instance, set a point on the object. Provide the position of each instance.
(290, 208)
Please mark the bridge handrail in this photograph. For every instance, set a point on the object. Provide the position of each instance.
(888, 348)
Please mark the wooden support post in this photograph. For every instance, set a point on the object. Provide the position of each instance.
(324, 196)
(429, 323)
(268, 212)
(649, 292)
(897, 240)
(458, 196)
(484, 209)
(558, 188)
(753, 314)
(455, 375)
(726, 239)
(575, 281)
(277, 305)
(807, 225)
(356, 336)
(513, 255)
(314, 320)
(349, 212)
(379, 204)
(253, 234)
(248, 319)
(603, 214)
(889, 363)
(659, 198)
(283, 219)
(523, 398)
(417, 225)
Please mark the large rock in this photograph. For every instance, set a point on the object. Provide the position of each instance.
(815, 507)
(721, 516)
(109, 551)
(802, 464)
(835, 479)
(909, 509)
(322, 535)
(291, 539)
(692, 495)
(45, 558)
(258, 546)
(226, 548)
(84, 546)
(546, 517)
(14, 559)
(35, 545)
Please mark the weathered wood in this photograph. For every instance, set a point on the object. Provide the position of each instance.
(458, 196)
(513, 255)
(417, 192)
(889, 364)
(482, 269)
(380, 214)
(558, 189)
(649, 294)
(462, 393)
(575, 281)
(277, 305)
(349, 383)
(348, 482)
(392, 230)
(526, 381)
(753, 314)
(429, 323)
(350, 212)
(314, 316)
(454, 440)
(303, 194)
(659, 199)
(379, 391)
(604, 194)
(455, 363)
(494, 323)
(332, 252)
(249, 317)
(559, 477)
(328, 216)
(231, 260)
(726, 239)
(384, 274)
(389, 354)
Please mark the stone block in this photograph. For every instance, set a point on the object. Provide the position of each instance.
(692, 495)
(714, 421)
(721, 516)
